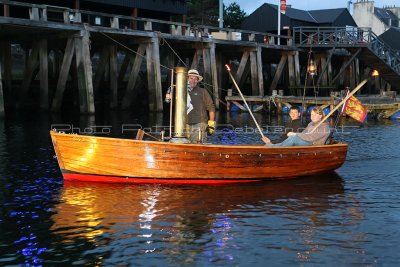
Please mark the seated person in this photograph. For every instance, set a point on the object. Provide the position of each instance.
(292, 125)
(309, 136)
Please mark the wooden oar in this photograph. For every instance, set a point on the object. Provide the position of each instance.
(244, 100)
(341, 103)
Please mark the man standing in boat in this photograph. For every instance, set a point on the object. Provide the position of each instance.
(198, 103)
(292, 125)
(310, 136)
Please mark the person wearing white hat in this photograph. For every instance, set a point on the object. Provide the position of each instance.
(199, 102)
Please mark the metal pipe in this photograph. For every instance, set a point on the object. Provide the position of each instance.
(180, 102)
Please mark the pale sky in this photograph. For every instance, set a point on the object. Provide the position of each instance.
(250, 5)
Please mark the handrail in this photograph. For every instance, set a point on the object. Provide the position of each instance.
(347, 37)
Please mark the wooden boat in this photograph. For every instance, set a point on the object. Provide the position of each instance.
(104, 159)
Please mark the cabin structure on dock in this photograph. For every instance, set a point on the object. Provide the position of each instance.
(53, 57)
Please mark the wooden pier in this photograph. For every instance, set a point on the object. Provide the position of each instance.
(377, 106)
(85, 59)
(258, 103)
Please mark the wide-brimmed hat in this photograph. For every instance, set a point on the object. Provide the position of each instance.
(195, 73)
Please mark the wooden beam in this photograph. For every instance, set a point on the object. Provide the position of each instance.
(44, 75)
(84, 67)
(357, 71)
(124, 66)
(214, 75)
(157, 74)
(207, 71)
(31, 66)
(242, 66)
(325, 67)
(290, 63)
(260, 71)
(343, 68)
(196, 58)
(1, 94)
(62, 79)
(297, 68)
(253, 73)
(101, 68)
(278, 72)
(128, 96)
(113, 76)
(352, 80)
(7, 63)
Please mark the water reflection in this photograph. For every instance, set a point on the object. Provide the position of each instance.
(182, 222)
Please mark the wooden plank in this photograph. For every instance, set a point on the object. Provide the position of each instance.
(324, 77)
(207, 71)
(260, 71)
(2, 113)
(31, 66)
(34, 13)
(351, 75)
(113, 76)
(101, 68)
(357, 70)
(254, 73)
(278, 73)
(196, 58)
(84, 68)
(128, 58)
(290, 63)
(214, 74)
(44, 75)
(150, 77)
(297, 68)
(7, 63)
(242, 66)
(129, 92)
(157, 74)
(344, 66)
(62, 79)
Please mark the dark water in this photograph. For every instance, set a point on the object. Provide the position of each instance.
(350, 218)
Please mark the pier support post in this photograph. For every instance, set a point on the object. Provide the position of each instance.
(100, 69)
(62, 79)
(291, 70)
(84, 67)
(278, 73)
(31, 66)
(7, 66)
(240, 73)
(44, 75)
(154, 75)
(113, 77)
(129, 92)
(260, 78)
(1, 93)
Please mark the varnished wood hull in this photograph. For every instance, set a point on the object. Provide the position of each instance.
(103, 159)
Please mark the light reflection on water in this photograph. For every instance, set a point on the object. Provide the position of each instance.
(348, 218)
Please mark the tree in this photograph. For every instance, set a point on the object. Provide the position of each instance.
(233, 16)
(202, 12)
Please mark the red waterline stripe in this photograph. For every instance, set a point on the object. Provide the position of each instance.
(120, 179)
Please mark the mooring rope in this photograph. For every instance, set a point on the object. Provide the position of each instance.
(163, 40)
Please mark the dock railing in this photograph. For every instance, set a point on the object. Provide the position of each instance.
(49, 13)
(342, 37)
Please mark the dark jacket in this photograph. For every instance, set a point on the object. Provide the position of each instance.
(290, 126)
(202, 102)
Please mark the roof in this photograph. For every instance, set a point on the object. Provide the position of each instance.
(314, 16)
(386, 16)
(391, 37)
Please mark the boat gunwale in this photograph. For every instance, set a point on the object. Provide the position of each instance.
(250, 146)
